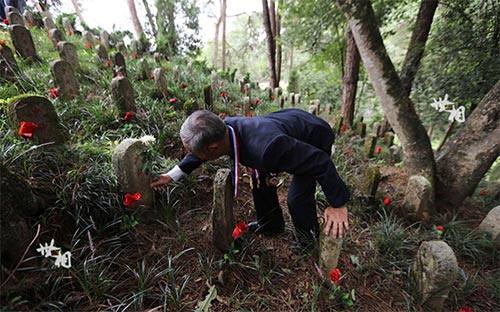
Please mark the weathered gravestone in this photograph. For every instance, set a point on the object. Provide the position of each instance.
(120, 46)
(123, 94)
(248, 90)
(376, 128)
(160, 81)
(435, 270)
(8, 64)
(68, 26)
(15, 18)
(64, 79)
(313, 109)
(361, 128)
(329, 109)
(48, 23)
(9, 9)
(105, 39)
(102, 53)
(30, 19)
(247, 106)
(276, 93)
(56, 36)
(128, 165)
(297, 99)
(372, 180)
(418, 201)
(395, 154)
(370, 143)
(143, 70)
(88, 37)
(292, 100)
(41, 112)
(119, 65)
(67, 51)
(23, 42)
(222, 210)
(338, 124)
(18, 204)
(389, 138)
(209, 99)
(491, 225)
(329, 253)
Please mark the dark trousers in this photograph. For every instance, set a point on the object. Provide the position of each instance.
(301, 201)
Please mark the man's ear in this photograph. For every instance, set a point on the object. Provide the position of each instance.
(213, 147)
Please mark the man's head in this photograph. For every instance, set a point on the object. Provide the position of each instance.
(203, 133)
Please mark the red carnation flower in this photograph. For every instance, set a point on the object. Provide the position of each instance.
(387, 201)
(26, 129)
(378, 150)
(256, 102)
(335, 277)
(272, 98)
(222, 115)
(343, 128)
(482, 192)
(134, 54)
(131, 200)
(69, 32)
(439, 227)
(184, 85)
(108, 63)
(244, 90)
(465, 310)
(128, 116)
(28, 25)
(320, 110)
(223, 94)
(88, 45)
(152, 76)
(6, 21)
(249, 114)
(48, 36)
(54, 93)
(348, 151)
(239, 229)
(2, 43)
(173, 100)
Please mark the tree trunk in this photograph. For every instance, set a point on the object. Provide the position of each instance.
(215, 56)
(279, 50)
(77, 10)
(399, 109)
(135, 18)
(271, 46)
(470, 153)
(172, 33)
(350, 80)
(223, 15)
(415, 49)
(150, 18)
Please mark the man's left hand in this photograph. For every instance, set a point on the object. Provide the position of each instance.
(336, 221)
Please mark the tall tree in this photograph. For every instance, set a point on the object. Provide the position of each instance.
(271, 44)
(350, 80)
(150, 18)
(77, 10)
(135, 18)
(223, 13)
(215, 55)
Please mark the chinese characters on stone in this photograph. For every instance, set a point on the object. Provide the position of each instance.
(443, 105)
(61, 259)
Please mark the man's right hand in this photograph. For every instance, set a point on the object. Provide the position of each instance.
(159, 183)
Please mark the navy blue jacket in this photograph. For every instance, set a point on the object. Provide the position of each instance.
(288, 140)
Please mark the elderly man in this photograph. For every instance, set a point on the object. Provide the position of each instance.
(289, 140)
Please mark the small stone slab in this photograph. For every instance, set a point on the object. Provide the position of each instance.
(8, 64)
(48, 23)
(102, 53)
(123, 94)
(67, 51)
(64, 78)
(222, 210)
(143, 69)
(372, 180)
(23, 42)
(419, 201)
(330, 249)
(161, 81)
(15, 18)
(56, 36)
(370, 144)
(491, 225)
(119, 65)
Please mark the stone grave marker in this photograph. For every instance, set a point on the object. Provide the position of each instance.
(372, 180)
(8, 64)
(157, 56)
(23, 42)
(105, 39)
(68, 27)
(128, 165)
(389, 138)
(209, 98)
(376, 128)
(370, 144)
(67, 51)
(15, 18)
(119, 65)
(491, 225)
(88, 37)
(143, 73)
(282, 102)
(313, 109)
(40, 111)
(395, 154)
(292, 100)
(248, 90)
(298, 99)
(329, 253)
(48, 23)
(175, 71)
(276, 93)
(222, 210)
(329, 108)
(29, 19)
(361, 128)
(120, 46)
(338, 124)
(9, 8)
(56, 36)
(161, 81)
(419, 198)
(64, 78)
(123, 94)
(102, 53)
(434, 271)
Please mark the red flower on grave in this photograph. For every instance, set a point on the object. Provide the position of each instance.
(69, 32)
(173, 100)
(119, 75)
(48, 36)
(256, 102)
(335, 277)
(98, 41)
(439, 228)
(320, 110)
(26, 129)
(131, 200)
(152, 75)
(6, 21)
(482, 192)
(184, 85)
(223, 94)
(54, 93)
(88, 45)
(108, 63)
(249, 114)
(222, 115)
(244, 90)
(378, 150)
(465, 309)
(239, 229)
(134, 54)
(348, 151)
(128, 116)
(343, 128)
(272, 98)
(387, 201)
(28, 25)
(2, 43)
